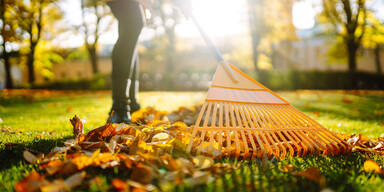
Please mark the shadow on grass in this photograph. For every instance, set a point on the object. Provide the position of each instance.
(13, 155)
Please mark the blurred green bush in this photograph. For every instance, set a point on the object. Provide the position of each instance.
(289, 80)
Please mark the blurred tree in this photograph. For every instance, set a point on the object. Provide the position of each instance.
(257, 27)
(8, 35)
(348, 20)
(35, 17)
(96, 20)
(165, 17)
(374, 38)
(268, 27)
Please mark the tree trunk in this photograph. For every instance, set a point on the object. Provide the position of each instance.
(5, 57)
(377, 59)
(94, 59)
(352, 50)
(352, 64)
(8, 74)
(31, 67)
(255, 25)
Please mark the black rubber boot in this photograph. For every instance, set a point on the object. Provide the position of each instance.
(134, 107)
(119, 116)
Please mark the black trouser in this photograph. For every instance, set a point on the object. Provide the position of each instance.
(124, 56)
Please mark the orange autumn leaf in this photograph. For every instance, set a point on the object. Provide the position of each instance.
(119, 185)
(54, 166)
(31, 183)
(372, 166)
(82, 161)
(345, 100)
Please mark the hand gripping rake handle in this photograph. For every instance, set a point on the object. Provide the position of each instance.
(209, 42)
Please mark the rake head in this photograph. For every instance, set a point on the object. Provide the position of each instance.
(247, 119)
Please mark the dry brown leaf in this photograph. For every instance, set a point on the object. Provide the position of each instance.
(75, 180)
(199, 177)
(77, 126)
(312, 174)
(142, 174)
(31, 158)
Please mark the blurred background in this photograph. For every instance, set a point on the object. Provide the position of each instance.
(285, 44)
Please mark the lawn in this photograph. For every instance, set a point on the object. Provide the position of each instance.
(39, 121)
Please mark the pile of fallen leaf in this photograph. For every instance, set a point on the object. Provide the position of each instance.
(360, 142)
(142, 149)
(150, 150)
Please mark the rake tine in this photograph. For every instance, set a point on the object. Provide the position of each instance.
(272, 132)
(213, 123)
(233, 120)
(243, 112)
(205, 125)
(300, 134)
(300, 122)
(254, 116)
(227, 125)
(197, 125)
(276, 121)
(246, 149)
(220, 125)
(252, 123)
(330, 134)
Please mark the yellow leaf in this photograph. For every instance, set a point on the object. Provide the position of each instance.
(372, 166)
(160, 137)
(288, 168)
(203, 162)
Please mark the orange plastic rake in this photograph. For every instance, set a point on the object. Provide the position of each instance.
(241, 117)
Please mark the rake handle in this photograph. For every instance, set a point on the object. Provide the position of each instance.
(215, 50)
(209, 42)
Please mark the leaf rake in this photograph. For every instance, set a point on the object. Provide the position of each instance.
(241, 117)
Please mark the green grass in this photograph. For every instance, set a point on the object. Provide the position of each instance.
(41, 122)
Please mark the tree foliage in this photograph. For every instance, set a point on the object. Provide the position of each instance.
(35, 17)
(346, 19)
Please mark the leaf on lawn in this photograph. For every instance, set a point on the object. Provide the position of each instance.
(312, 174)
(54, 166)
(287, 168)
(140, 187)
(120, 185)
(30, 183)
(372, 166)
(160, 137)
(353, 140)
(31, 158)
(77, 126)
(75, 180)
(198, 178)
(348, 101)
(142, 174)
(203, 162)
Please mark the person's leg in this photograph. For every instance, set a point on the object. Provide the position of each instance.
(134, 88)
(130, 22)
